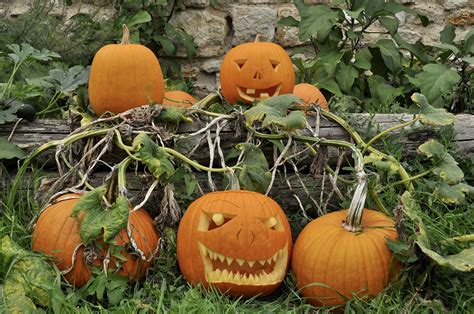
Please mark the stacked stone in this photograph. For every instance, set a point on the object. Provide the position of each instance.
(218, 25)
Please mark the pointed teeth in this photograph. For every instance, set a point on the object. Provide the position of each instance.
(274, 258)
(221, 257)
(225, 274)
(250, 91)
(240, 261)
(229, 260)
(251, 263)
(264, 96)
(262, 262)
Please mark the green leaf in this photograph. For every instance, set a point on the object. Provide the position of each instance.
(436, 80)
(255, 174)
(70, 80)
(403, 252)
(432, 148)
(391, 23)
(454, 194)
(28, 280)
(397, 7)
(382, 91)
(139, 18)
(345, 77)
(417, 49)
(26, 52)
(469, 41)
(8, 150)
(167, 45)
(8, 115)
(448, 170)
(448, 34)
(430, 115)
(390, 54)
(153, 156)
(463, 261)
(316, 21)
(363, 58)
(274, 111)
(381, 164)
(98, 220)
(329, 59)
(288, 21)
(173, 115)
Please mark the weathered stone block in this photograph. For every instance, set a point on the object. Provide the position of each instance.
(455, 4)
(287, 36)
(211, 66)
(208, 27)
(249, 20)
(196, 3)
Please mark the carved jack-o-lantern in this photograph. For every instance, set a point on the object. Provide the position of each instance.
(254, 71)
(237, 241)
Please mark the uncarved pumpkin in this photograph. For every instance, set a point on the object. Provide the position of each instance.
(328, 261)
(237, 241)
(310, 94)
(124, 76)
(177, 98)
(255, 71)
(57, 234)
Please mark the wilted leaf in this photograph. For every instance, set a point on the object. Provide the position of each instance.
(430, 115)
(446, 166)
(432, 148)
(153, 156)
(454, 194)
(97, 219)
(28, 279)
(173, 115)
(8, 150)
(255, 174)
(381, 164)
(274, 111)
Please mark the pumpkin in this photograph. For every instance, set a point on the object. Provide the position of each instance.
(57, 234)
(310, 94)
(330, 262)
(238, 241)
(124, 76)
(177, 98)
(256, 71)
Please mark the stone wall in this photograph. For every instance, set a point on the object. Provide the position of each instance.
(218, 25)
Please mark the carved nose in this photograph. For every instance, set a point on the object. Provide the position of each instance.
(257, 75)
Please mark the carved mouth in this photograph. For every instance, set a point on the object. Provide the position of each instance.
(225, 269)
(250, 94)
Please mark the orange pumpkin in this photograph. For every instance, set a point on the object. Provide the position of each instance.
(177, 98)
(237, 241)
(310, 94)
(329, 261)
(124, 76)
(255, 71)
(57, 234)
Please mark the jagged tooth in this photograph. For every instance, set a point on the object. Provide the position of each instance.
(203, 250)
(251, 263)
(269, 261)
(264, 96)
(274, 258)
(229, 260)
(252, 279)
(238, 277)
(240, 261)
(231, 276)
(221, 257)
(225, 275)
(262, 261)
(211, 254)
(218, 273)
(250, 91)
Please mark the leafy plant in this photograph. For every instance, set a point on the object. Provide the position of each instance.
(381, 74)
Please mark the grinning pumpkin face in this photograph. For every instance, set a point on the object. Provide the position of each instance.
(237, 241)
(256, 71)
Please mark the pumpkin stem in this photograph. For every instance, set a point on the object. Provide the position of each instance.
(125, 36)
(353, 222)
(258, 38)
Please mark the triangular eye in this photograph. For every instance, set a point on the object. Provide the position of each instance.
(240, 63)
(275, 64)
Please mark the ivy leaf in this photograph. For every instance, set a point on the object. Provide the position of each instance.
(391, 23)
(447, 34)
(363, 59)
(463, 261)
(29, 281)
(390, 54)
(140, 17)
(98, 221)
(435, 81)
(255, 174)
(345, 76)
(454, 194)
(274, 111)
(316, 21)
(8, 150)
(166, 44)
(430, 115)
(153, 156)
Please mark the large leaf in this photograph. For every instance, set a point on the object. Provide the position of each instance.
(97, 220)
(363, 58)
(385, 93)
(345, 77)
(463, 261)
(153, 156)
(28, 279)
(316, 21)
(448, 34)
(390, 54)
(274, 111)
(70, 80)
(435, 81)
(255, 174)
(26, 51)
(139, 18)
(454, 194)
(8, 115)
(8, 150)
(430, 115)
(446, 166)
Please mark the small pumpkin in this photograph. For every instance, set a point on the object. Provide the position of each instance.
(256, 71)
(331, 263)
(238, 241)
(177, 98)
(310, 94)
(124, 76)
(57, 234)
